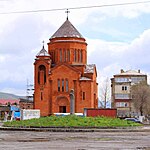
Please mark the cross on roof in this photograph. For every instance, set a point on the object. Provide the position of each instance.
(43, 43)
(67, 13)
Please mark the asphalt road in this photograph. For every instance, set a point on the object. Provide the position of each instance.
(25, 140)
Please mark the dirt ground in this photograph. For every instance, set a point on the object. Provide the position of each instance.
(24, 140)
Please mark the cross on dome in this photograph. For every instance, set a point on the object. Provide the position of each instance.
(67, 13)
(43, 43)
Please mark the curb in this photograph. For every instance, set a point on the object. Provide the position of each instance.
(76, 129)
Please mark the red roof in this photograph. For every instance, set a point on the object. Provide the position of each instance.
(6, 101)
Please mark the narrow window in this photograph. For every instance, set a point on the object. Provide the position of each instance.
(39, 77)
(56, 55)
(68, 53)
(125, 88)
(66, 85)
(62, 85)
(122, 88)
(58, 85)
(126, 104)
(75, 54)
(60, 55)
(83, 96)
(80, 56)
(41, 96)
(41, 74)
(65, 59)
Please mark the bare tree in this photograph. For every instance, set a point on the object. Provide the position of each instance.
(105, 92)
(141, 97)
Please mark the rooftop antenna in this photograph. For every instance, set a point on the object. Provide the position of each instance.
(67, 11)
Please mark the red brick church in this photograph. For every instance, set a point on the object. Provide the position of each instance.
(62, 69)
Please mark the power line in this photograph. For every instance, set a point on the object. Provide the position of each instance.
(86, 7)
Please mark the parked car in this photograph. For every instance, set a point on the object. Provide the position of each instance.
(133, 119)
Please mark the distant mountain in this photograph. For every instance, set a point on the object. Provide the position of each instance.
(8, 96)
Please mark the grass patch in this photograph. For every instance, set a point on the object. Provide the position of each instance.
(72, 121)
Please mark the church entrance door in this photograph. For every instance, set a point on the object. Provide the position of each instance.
(62, 109)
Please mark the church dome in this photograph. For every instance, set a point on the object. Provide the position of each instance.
(67, 30)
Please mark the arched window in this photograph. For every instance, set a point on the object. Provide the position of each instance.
(58, 84)
(68, 55)
(77, 58)
(60, 53)
(41, 74)
(65, 58)
(62, 85)
(80, 56)
(41, 96)
(75, 55)
(67, 89)
(83, 95)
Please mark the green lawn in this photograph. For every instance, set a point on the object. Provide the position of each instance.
(72, 121)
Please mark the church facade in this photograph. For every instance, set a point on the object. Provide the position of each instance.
(62, 69)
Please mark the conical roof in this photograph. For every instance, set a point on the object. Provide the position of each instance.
(43, 52)
(67, 30)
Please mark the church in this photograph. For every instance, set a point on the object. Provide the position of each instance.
(63, 69)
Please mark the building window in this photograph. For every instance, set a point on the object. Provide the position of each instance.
(80, 56)
(60, 52)
(58, 85)
(56, 55)
(83, 95)
(121, 79)
(75, 55)
(122, 104)
(137, 79)
(62, 85)
(77, 58)
(124, 88)
(67, 89)
(122, 96)
(65, 58)
(41, 74)
(68, 55)
(41, 96)
(52, 53)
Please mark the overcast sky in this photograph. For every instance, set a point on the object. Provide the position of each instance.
(118, 37)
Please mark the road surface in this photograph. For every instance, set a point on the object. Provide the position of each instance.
(25, 140)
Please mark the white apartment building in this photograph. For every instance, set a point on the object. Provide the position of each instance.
(121, 94)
